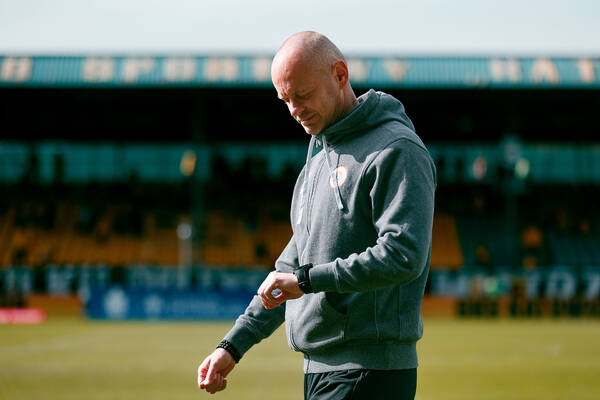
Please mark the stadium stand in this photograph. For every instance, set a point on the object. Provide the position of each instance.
(64, 232)
(98, 172)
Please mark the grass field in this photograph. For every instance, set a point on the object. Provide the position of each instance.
(69, 358)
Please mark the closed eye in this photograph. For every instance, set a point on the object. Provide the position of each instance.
(303, 96)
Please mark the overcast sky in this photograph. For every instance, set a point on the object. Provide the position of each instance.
(462, 27)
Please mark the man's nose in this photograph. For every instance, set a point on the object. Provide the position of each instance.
(295, 109)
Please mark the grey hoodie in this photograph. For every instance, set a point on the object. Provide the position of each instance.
(362, 214)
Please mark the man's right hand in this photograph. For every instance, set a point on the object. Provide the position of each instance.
(214, 369)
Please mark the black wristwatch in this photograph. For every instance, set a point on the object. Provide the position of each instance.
(304, 278)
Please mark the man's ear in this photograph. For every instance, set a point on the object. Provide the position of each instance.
(340, 71)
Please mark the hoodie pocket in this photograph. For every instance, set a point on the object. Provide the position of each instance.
(388, 314)
(314, 324)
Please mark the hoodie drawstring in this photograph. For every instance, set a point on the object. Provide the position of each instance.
(336, 187)
(304, 190)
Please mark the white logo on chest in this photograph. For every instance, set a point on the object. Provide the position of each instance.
(341, 173)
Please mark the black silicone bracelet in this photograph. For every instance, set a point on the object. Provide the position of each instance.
(230, 349)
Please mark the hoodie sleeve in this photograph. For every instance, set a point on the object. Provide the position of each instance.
(401, 183)
(257, 323)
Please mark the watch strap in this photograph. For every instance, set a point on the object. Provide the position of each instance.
(304, 278)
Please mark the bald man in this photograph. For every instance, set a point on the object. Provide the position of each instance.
(349, 284)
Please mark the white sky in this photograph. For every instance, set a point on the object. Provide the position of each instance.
(462, 27)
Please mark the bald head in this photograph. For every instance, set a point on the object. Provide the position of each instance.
(311, 47)
(310, 75)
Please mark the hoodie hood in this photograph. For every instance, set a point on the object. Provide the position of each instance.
(374, 109)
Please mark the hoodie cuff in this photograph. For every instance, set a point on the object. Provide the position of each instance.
(323, 278)
(241, 338)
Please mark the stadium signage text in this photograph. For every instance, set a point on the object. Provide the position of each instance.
(155, 292)
(552, 282)
(255, 71)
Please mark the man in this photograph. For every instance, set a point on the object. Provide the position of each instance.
(349, 284)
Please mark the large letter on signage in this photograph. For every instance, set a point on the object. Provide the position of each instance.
(544, 70)
(262, 69)
(395, 69)
(586, 70)
(502, 70)
(561, 284)
(179, 69)
(98, 69)
(134, 67)
(16, 69)
(358, 69)
(221, 69)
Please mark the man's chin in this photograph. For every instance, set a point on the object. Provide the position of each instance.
(312, 130)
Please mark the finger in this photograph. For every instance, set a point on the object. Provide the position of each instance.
(262, 291)
(223, 384)
(264, 283)
(217, 384)
(210, 375)
(278, 302)
(213, 387)
(266, 295)
(268, 302)
(202, 370)
(274, 294)
(272, 289)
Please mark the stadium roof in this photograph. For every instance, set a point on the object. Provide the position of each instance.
(254, 71)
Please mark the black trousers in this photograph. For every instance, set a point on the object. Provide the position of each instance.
(357, 384)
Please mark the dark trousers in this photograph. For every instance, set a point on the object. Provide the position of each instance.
(357, 384)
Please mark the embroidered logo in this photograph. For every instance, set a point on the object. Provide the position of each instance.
(341, 173)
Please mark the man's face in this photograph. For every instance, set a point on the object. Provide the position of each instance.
(312, 95)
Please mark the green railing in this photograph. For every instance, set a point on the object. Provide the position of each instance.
(80, 163)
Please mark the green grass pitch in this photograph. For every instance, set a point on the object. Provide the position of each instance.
(459, 359)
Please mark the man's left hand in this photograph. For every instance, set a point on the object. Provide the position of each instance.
(286, 283)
